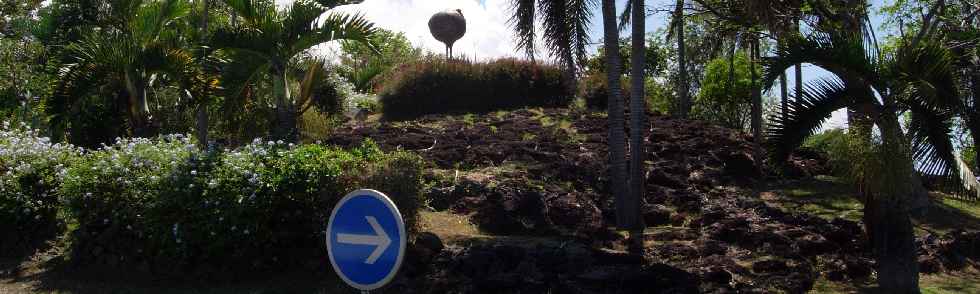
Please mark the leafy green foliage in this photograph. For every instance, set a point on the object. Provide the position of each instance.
(656, 59)
(166, 203)
(438, 86)
(726, 92)
(594, 92)
(362, 63)
(834, 143)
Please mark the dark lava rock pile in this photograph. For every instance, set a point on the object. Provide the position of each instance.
(543, 173)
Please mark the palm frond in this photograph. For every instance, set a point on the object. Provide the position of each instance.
(522, 20)
(557, 34)
(580, 17)
(624, 18)
(314, 73)
(300, 19)
(334, 3)
(97, 61)
(932, 147)
(252, 11)
(240, 70)
(151, 19)
(837, 53)
(925, 73)
(243, 39)
(339, 26)
(804, 116)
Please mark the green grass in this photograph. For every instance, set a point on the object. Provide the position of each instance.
(823, 196)
(831, 197)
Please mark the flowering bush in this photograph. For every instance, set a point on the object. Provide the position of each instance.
(166, 204)
(31, 168)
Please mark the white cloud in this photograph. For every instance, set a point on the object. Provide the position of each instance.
(487, 32)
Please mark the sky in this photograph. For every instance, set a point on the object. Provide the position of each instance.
(489, 35)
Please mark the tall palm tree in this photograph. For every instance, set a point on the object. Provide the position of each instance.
(637, 127)
(757, 152)
(683, 97)
(123, 59)
(566, 30)
(202, 107)
(267, 39)
(915, 79)
(617, 136)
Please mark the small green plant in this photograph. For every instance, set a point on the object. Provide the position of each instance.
(546, 121)
(469, 120)
(500, 114)
(493, 130)
(528, 137)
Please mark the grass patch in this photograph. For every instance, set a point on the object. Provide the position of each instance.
(830, 197)
(824, 196)
(966, 281)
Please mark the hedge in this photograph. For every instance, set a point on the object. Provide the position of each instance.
(163, 205)
(437, 86)
(31, 169)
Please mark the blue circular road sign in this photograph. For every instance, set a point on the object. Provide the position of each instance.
(366, 239)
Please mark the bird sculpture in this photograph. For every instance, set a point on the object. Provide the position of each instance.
(447, 27)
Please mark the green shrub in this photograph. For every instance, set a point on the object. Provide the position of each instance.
(836, 144)
(31, 169)
(594, 91)
(725, 97)
(164, 203)
(436, 86)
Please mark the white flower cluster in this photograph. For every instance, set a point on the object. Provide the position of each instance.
(24, 152)
(138, 160)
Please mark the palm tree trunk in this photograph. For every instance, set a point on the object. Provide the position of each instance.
(684, 102)
(632, 204)
(285, 128)
(202, 106)
(756, 107)
(894, 238)
(799, 67)
(568, 74)
(975, 88)
(138, 109)
(617, 136)
(783, 89)
(783, 94)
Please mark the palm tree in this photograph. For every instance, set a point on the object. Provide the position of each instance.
(915, 79)
(637, 127)
(757, 152)
(566, 30)
(266, 40)
(202, 107)
(683, 97)
(123, 59)
(625, 218)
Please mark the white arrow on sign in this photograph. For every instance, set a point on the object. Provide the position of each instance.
(380, 239)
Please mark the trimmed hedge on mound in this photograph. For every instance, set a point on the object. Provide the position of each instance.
(165, 206)
(437, 86)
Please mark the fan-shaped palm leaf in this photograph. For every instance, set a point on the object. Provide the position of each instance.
(805, 115)
(842, 55)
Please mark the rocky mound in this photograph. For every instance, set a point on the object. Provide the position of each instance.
(543, 173)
